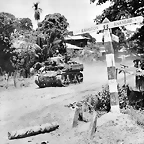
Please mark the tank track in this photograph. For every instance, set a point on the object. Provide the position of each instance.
(63, 79)
(70, 78)
(59, 73)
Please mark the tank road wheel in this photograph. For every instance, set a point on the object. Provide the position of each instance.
(38, 82)
(58, 81)
(80, 77)
(41, 85)
(71, 78)
(64, 80)
(75, 79)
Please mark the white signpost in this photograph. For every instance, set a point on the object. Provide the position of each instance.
(109, 25)
(111, 70)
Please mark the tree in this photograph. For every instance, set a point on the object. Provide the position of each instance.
(54, 28)
(54, 21)
(137, 40)
(25, 56)
(26, 52)
(120, 9)
(25, 24)
(14, 56)
(37, 11)
(6, 28)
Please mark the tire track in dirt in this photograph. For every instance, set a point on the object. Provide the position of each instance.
(33, 104)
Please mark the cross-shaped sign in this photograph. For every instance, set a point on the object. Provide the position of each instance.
(114, 37)
(111, 70)
(113, 24)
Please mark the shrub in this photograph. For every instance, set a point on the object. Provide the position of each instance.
(137, 116)
(101, 100)
(101, 103)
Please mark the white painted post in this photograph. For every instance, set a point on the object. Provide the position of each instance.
(107, 25)
(111, 69)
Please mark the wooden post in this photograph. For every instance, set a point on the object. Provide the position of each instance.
(6, 79)
(111, 69)
(116, 73)
(124, 77)
(78, 113)
(124, 71)
(93, 125)
(15, 77)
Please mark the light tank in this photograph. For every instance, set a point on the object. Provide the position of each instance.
(57, 72)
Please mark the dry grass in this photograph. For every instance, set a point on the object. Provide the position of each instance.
(20, 82)
(137, 116)
(103, 106)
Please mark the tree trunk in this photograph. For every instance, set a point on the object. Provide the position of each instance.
(31, 131)
(26, 73)
(15, 76)
(48, 51)
(37, 22)
(6, 79)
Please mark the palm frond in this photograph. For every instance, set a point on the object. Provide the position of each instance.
(40, 10)
(35, 5)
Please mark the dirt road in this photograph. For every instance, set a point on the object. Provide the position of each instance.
(20, 108)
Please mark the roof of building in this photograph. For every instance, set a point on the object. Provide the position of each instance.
(75, 37)
(70, 46)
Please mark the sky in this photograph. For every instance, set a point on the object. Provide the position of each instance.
(79, 13)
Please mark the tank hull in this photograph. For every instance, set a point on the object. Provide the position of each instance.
(63, 79)
(59, 73)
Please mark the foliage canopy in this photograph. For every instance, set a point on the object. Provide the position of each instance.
(120, 9)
